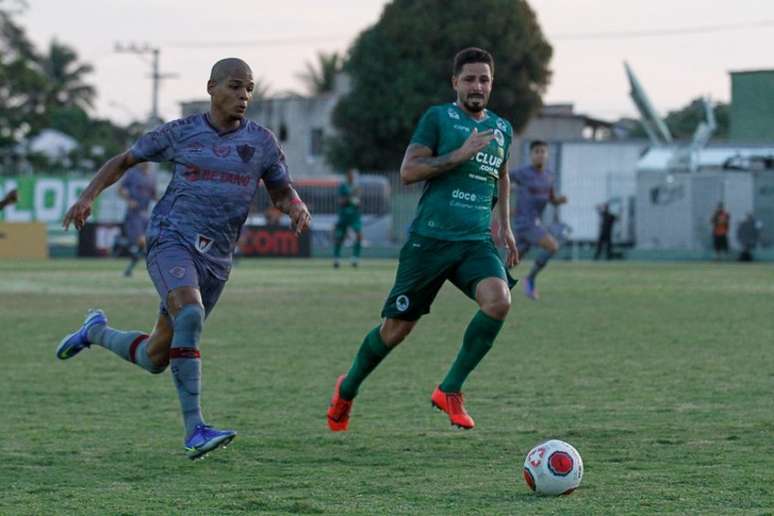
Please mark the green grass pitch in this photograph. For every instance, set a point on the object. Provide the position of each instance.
(662, 375)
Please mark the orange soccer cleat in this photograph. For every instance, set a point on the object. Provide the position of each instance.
(453, 404)
(338, 411)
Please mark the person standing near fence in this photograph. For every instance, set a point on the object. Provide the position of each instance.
(460, 151)
(348, 217)
(606, 221)
(721, 222)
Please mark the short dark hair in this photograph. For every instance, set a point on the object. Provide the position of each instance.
(472, 55)
(537, 143)
(227, 66)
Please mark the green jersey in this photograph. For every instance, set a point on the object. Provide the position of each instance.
(350, 194)
(457, 205)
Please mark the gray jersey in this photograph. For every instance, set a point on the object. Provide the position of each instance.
(534, 192)
(140, 188)
(214, 180)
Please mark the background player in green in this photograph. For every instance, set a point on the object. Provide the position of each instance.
(349, 216)
(459, 150)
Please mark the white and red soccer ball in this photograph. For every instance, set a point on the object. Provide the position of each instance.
(553, 468)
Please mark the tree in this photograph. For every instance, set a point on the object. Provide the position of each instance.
(261, 90)
(41, 91)
(402, 65)
(320, 77)
(682, 123)
(65, 78)
(21, 83)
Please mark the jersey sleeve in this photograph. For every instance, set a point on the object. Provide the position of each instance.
(509, 140)
(426, 132)
(275, 171)
(157, 145)
(518, 175)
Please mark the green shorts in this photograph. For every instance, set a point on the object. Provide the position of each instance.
(348, 220)
(426, 263)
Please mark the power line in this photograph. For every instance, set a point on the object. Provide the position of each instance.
(701, 29)
(303, 40)
(269, 42)
(156, 75)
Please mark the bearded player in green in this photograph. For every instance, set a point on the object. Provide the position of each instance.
(460, 150)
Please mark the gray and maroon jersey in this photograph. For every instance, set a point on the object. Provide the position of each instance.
(214, 180)
(141, 188)
(534, 192)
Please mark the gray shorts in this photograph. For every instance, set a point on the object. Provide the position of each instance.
(527, 236)
(134, 226)
(172, 265)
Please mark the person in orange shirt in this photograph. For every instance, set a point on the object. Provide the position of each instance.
(721, 221)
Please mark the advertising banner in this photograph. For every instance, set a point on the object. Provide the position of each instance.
(42, 199)
(273, 242)
(104, 239)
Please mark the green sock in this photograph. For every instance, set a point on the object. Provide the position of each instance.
(371, 352)
(356, 250)
(478, 340)
(338, 241)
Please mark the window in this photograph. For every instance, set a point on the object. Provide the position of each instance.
(316, 141)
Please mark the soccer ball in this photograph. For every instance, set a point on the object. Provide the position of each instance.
(553, 468)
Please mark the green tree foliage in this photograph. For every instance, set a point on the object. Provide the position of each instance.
(261, 90)
(682, 123)
(320, 77)
(403, 64)
(21, 84)
(65, 84)
(49, 90)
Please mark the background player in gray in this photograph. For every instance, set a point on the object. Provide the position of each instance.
(138, 189)
(535, 183)
(219, 159)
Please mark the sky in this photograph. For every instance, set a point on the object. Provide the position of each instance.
(680, 49)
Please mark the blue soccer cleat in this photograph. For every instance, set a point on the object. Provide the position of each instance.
(75, 342)
(205, 438)
(530, 290)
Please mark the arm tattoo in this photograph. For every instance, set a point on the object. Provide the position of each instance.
(441, 163)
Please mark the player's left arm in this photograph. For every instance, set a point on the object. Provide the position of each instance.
(503, 215)
(286, 199)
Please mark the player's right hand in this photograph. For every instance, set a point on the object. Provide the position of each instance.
(77, 215)
(12, 196)
(299, 217)
(475, 142)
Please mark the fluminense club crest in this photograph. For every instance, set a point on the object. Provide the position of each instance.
(245, 152)
(203, 243)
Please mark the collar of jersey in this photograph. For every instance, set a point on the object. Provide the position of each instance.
(242, 123)
(486, 111)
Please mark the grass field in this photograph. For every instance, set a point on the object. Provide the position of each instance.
(662, 375)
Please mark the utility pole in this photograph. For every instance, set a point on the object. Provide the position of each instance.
(156, 75)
